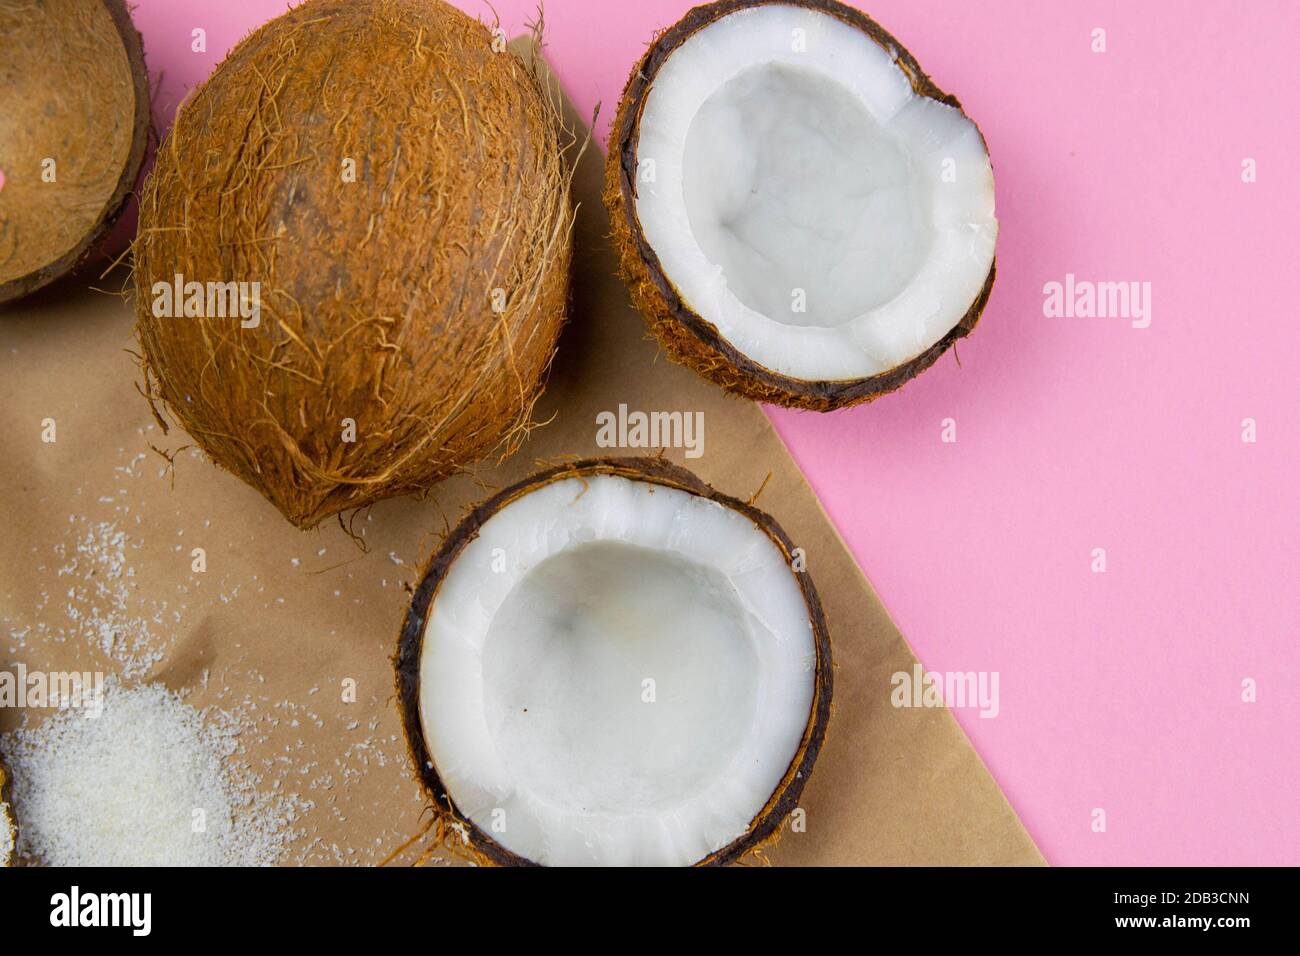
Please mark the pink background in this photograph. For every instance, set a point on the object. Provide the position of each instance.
(1120, 690)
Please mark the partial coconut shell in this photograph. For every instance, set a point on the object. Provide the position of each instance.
(456, 832)
(8, 825)
(690, 339)
(74, 92)
(394, 178)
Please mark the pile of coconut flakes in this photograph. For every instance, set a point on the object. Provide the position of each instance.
(151, 781)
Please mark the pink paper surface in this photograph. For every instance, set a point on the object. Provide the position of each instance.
(1122, 690)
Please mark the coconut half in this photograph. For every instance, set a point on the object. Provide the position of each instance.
(74, 123)
(610, 663)
(803, 216)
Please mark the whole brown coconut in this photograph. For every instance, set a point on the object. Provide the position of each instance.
(74, 123)
(386, 184)
(687, 335)
(450, 825)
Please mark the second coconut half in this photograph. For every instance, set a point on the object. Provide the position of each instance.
(611, 663)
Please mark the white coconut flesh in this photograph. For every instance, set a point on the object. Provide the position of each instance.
(828, 221)
(616, 672)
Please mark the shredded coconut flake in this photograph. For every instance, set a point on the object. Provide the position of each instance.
(102, 590)
(151, 781)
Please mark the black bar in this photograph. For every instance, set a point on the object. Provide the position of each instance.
(444, 905)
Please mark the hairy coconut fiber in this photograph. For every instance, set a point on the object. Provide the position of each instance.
(690, 339)
(420, 302)
(74, 123)
(451, 831)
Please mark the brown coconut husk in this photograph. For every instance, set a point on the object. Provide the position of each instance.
(8, 823)
(688, 338)
(377, 295)
(449, 830)
(74, 89)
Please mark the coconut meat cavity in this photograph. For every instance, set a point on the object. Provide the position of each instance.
(831, 223)
(616, 672)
